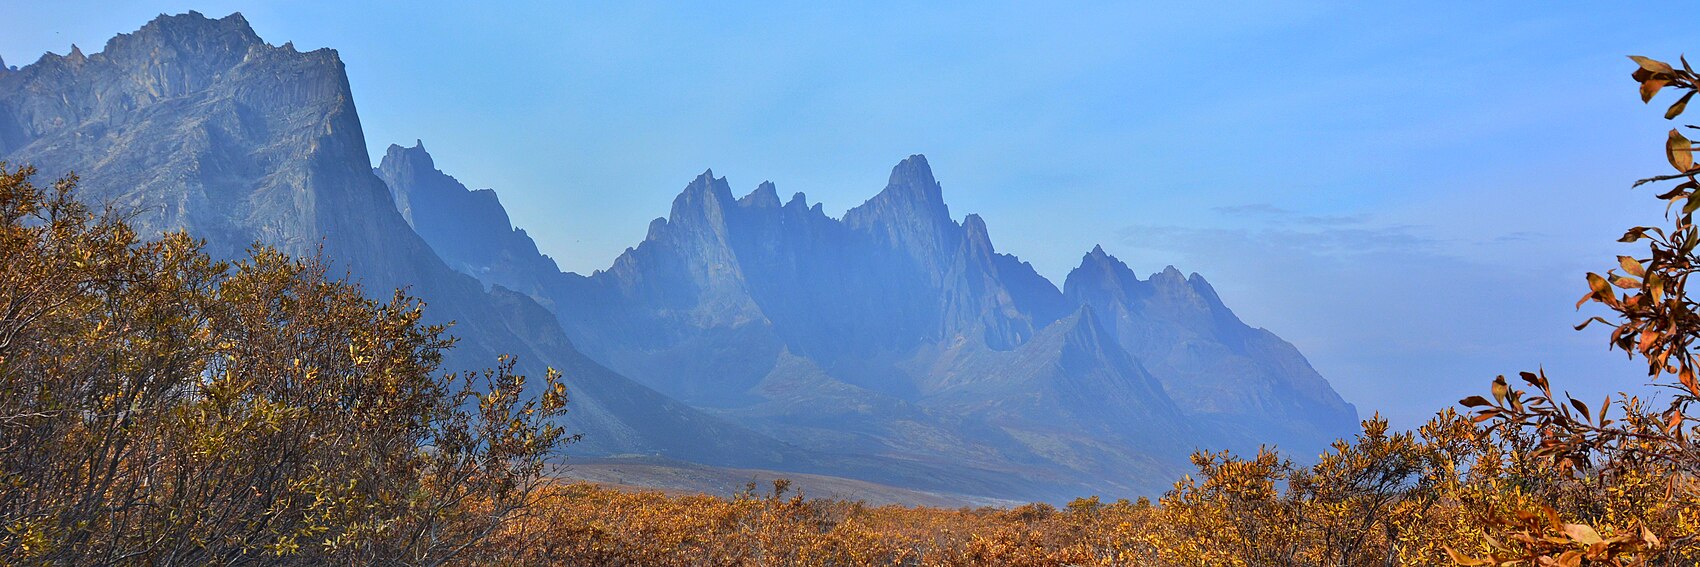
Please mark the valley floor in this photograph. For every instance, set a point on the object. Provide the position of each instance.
(590, 524)
(681, 478)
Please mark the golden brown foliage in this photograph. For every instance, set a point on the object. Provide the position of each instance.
(1640, 468)
(159, 407)
(582, 524)
(1381, 499)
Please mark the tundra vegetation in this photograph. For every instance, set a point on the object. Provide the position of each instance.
(157, 406)
(160, 407)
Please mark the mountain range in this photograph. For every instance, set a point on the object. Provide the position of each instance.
(893, 343)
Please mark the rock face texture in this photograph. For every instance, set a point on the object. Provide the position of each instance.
(196, 124)
(464, 223)
(893, 344)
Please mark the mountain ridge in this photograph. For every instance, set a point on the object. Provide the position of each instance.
(721, 306)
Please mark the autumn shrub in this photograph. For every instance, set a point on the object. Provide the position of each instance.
(161, 407)
(583, 524)
(1622, 476)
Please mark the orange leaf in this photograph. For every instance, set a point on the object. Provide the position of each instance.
(1650, 87)
(1462, 559)
(1581, 533)
(1631, 266)
(1679, 106)
(1653, 65)
(1680, 151)
(1598, 284)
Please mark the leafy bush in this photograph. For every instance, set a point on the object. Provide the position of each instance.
(160, 407)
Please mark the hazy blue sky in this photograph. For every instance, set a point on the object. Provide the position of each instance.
(1409, 194)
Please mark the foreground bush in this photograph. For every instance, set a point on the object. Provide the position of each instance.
(1380, 499)
(159, 407)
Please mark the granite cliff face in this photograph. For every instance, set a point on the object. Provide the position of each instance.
(196, 124)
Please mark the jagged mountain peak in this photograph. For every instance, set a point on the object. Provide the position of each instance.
(973, 223)
(703, 200)
(194, 20)
(656, 227)
(914, 173)
(190, 32)
(1099, 259)
(910, 215)
(764, 196)
(911, 190)
(415, 157)
(1206, 294)
(1102, 271)
(912, 182)
(408, 171)
(974, 228)
(976, 239)
(467, 228)
(1169, 275)
(706, 183)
